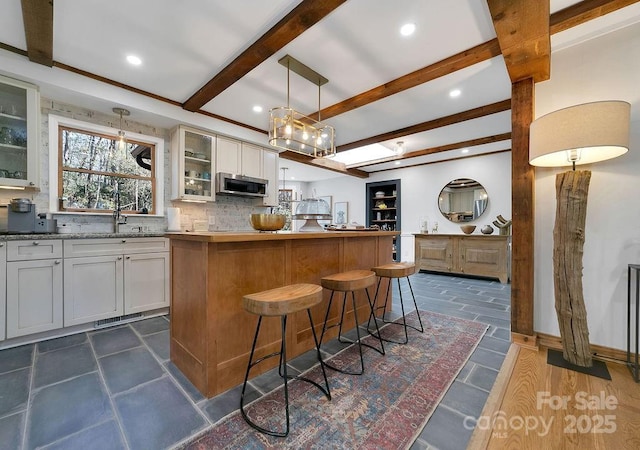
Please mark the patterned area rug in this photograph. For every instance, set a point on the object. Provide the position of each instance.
(385, 408)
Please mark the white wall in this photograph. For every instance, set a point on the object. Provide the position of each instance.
(420, 188)
(606, 68)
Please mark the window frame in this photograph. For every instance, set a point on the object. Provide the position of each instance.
(55, 162)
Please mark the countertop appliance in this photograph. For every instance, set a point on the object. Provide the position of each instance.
(230, 184)
(21, 218)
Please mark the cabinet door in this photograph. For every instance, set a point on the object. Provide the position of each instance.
(483, 256)
(146, 282)
(228, 155)
(3, 291)
(193, 157)
(251, 161)
(19, 118)
(93, 289)
(434, 253)
(34, 296)
(270, 172)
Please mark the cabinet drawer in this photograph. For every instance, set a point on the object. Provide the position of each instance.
(76, 248)
(30, 250)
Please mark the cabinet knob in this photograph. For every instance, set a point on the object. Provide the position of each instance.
(31, 183)
(124, 240)
(36, 243)
(57, 261)
(1, 244)
(128, 257)
(119, 258)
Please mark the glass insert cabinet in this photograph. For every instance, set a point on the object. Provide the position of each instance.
(19, 112)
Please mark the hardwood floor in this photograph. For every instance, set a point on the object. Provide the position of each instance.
(534, 405)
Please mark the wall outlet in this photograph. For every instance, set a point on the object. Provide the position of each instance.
(212, 220)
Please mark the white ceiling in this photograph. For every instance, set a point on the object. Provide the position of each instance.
(183, 44)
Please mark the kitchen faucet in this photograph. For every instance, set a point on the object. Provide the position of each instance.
(118, 218)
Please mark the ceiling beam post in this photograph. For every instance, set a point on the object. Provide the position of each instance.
(37, 16)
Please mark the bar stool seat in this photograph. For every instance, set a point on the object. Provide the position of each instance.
(396, 270)
(282, 301)
(351, 281)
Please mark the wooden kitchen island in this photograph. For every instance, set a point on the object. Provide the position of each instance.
(211, 334)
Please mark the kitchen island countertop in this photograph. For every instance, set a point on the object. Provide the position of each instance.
(248, 236)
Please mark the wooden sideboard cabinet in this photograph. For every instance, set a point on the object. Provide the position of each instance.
(486, 256)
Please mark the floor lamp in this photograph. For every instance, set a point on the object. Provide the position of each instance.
(582, 134)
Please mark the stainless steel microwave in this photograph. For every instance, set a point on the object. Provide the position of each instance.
(230, 184)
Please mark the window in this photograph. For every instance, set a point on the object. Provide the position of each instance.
(91, 171)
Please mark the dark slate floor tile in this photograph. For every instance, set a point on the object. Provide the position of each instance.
(105, 436)
(16, 358)
(62, 342)
(66, 408)
(305, 361)
(482, 377)
(487, 358)
(465, 371)
(502, 333)
(224, 404)
(157, 415)
(466, 399)
(159, 343)
(497, 345)
(270, 380)
(14, 391)
(125, 370)
(59, 365)
(11, 428)
(477, 302)
(445, 430)
(419, 444)
(150, 326)
(501, 323)
(115, 340)
(496, 313)
(184, 382)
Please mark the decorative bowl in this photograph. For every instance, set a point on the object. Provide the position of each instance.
(268, 222)
(467, 229)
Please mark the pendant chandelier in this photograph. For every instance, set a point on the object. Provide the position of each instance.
(293, 131)
(121, 143)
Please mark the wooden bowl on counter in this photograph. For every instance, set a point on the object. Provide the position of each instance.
(268, 222)
(467, 229)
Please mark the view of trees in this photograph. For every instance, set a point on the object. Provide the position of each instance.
(94, 169)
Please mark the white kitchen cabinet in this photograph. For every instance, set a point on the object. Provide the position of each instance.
(270, 173)
(146, 282)
(106, 278)
(3, 291)
(251, 161)
(19, 124)
(228, 155)
(34, 286)
(193, 164)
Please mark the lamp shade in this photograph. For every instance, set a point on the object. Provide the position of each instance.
(583, 134)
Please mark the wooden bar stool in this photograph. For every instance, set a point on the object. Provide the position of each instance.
(281, 302)
(346, 282)
(396, 270)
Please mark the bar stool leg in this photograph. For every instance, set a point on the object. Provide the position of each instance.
(404, 319)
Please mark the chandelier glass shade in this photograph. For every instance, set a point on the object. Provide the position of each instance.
(293, 131)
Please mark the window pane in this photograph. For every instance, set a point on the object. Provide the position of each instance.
(92, 191)
(98, 153)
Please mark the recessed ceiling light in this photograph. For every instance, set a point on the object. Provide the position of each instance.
(407, 29)
(455, 93)
(134, 60)
(397, 163)
(464, 150)
(257, 109)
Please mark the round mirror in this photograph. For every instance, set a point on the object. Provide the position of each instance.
(463, 200)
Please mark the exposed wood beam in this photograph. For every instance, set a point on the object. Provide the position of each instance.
(522, 208)
(522, 27)
(583, 12)
(305, 159)
(447, 66)
(443, 160)
(474, 113)
(300, 19)
(37, 16)
(443, 148)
